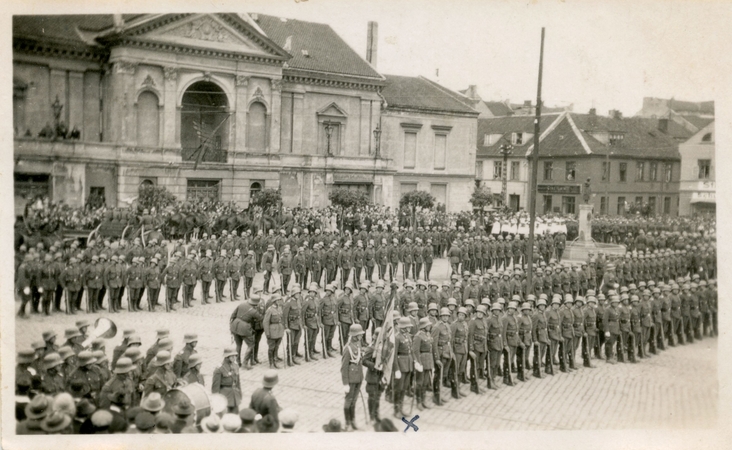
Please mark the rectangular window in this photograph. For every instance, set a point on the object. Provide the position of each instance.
(479, 170)
(548, 170)
(653, 172)
(652, 204)
(547, 204)
(640, 172)
(497, 170)
(603, 205)
(410, 150)
(517, 138)
(515, 167)
(621, 206)
(667, 205)
(639, 200)
(568, 205)
(203, 190)
(622, 172)
(439, 191)
(705, 168)
(668, 169)
(605, 170)
(408, 187)
(570, 173)
(440, 150)
(615, 139)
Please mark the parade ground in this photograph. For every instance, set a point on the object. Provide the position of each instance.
(677, 389)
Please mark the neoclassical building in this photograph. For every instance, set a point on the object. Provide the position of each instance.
(208, 105)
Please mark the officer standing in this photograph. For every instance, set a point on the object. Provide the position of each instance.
(226, 381)
(526, 326)
(611, 324)
(425, 354)
(477, 347)
(206, 275)
(404, 364)
(352, 373)
(274, 329)
(374, 375)
(346, 315)
(221, 272)
(181, 361)
(267, 264)
(172, 281)
(311, 320)
(361, 306)
(233, 267)
(292, 316)
(153, 281)
(459, 330)
(327, 317)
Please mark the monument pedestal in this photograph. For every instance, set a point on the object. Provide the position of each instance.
(580, 248)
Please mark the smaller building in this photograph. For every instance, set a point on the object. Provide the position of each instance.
(429, 131)
(697, 187)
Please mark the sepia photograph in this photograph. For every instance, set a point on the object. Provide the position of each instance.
(425, 218)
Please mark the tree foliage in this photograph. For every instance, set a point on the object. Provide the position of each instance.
(481, 197)
(156, 197)
(347, 198)
(414, 199)
(267, 198)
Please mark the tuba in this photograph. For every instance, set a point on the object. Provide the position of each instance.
(103, 328)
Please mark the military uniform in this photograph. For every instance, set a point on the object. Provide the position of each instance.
(227, 383)
(292, 316)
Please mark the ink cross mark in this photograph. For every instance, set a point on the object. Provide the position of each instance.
(410, 423)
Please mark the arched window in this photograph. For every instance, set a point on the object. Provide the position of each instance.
(257, 128)
(148, 120)
(204, 123)
(254, 188)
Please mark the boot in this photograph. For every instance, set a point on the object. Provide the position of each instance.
(587, 362)
(481, 374)
(474, 386)
(536, 370)
(521, 375)
(507, 379)
(631, 356)
(424, 405)
(271, 363)
(454, 390)
(463, 379)
(397, 410)
(353, 418)
(347, 415)
(571, 363)
(621, 357)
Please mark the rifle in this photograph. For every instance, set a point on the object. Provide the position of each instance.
(88, 299)
(66, 300)
(340, 337)
(167, 300)
(288, 353)
(307, 345)
(507, 366)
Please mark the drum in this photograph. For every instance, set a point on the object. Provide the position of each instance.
(195, 393)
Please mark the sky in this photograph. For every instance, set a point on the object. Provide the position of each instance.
(602, 54)
(605, 54)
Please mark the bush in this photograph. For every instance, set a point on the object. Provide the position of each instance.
(417, 199)
(481, 198)
(347, 198)
(157, 197)
(267, 198)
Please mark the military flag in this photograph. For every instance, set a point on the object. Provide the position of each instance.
(384, 347)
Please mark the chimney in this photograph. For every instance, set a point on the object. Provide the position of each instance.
(372, 40)
(527, 103)
(615, 114)
(663, 125)
(593, 111)
(119, 22)
(288, 44)
(472, 92)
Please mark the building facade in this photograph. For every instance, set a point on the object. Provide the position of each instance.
(626, 160)
(216, 106)
(697, 187)
(430, 134)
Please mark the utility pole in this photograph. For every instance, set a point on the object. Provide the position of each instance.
(535, 169)
(506, 150)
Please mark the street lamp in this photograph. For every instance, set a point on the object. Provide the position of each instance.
(505, 149)
(377, 139)
(328, 135)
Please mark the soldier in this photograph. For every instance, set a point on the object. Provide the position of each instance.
(172, 281)
(300, 266)
(677, 322)
(590, 320)
(267, 265)
(361, 308)
(153, 281)
(404, 364)
(406, 257)
(358, 255)
(611, 324)
(381, 259)
(525, 330)
(636, 328)
(377, 305)
(263, 401)
(352, 373)
(374, 375)
(206, 275)
(511, 341)
(442, 338)
(24, 275)
(425, 354)
(311, 320)
(274, 329)
(578, 323)
(331, 260)
(120, 385)
(394, 256)
(477, 348)
(181, 361)
(554, 325)
(459, 330)
(194, 371)
(71, 281)
(567, 325)
(226, 381)
(284, 266)
(163, 378)
(135, 283)
(242, 323)
(52, 377)
(540, 337)
(86, 375)
(317, 260)
(327, 318)
(454, 256)
(292, 316)
(93, 280)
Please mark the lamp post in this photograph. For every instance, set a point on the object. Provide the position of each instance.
(328, 135)
(377, 140)
(505, 149)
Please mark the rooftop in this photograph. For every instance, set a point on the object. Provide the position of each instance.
(419, 93)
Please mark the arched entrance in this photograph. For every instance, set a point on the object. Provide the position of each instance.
(204, 123)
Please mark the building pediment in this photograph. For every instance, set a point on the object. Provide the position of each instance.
(220, 33)
(332, 110)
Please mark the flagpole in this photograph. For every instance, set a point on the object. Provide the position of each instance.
(534, 169)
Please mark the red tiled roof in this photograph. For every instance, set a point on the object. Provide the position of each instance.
(422, 94)
(327, 52)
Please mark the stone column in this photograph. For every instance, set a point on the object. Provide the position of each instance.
(170, 111)
(122, 102)
(275, 119)
(297, 119)
(76, 100)
(585, 227)
(240, 119)
(365, 146)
